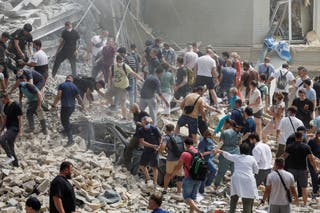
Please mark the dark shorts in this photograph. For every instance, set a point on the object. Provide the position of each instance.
(258, 114)
(202, 125)
(192, 123)
(43, 70)
(149, 158)
(301, 176)
(261, 177)
(204, 80)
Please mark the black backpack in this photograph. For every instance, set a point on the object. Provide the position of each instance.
(199, 167)
(177, 146)
(282, 80)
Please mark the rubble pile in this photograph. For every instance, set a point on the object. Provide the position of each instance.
(39, 13)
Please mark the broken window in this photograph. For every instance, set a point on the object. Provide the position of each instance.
(302, 18)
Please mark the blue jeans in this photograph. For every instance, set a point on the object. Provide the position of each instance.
(210, 176)
(133, 90)
(190, 188)
(315, 179)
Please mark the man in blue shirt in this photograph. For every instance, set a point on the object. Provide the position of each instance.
(34, 97)
(155, 202)
(150, 87)
(266, 68)
(150, 137)
(67, 93)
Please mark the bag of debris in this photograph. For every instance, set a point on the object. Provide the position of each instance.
(199, 168)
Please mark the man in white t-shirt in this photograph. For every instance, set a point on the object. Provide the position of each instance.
(287, 126)
(206, 73)
(39, 60)
(275, 190)
(262, 153)
(190, 58)
(96, 45)
(303, 75)
(284, 78)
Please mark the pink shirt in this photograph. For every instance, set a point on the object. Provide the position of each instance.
(186, 158)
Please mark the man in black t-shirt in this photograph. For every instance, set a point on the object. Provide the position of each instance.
(150, 137)
(62, 196)
(297, 154)
(20, 39)
(181, 88)
(12, 116)
(67, 49)
(131, 161)
(305, 108)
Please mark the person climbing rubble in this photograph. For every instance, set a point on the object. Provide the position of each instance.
(67, 93)
(19, 40)
(12, 122)
(39, 60)
(34, 97)
(67, 49)
(150, 137)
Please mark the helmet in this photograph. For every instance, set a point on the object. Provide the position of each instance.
(27, 27)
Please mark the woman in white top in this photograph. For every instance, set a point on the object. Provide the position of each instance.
(255, 102)
(276, 111)
(243, 183)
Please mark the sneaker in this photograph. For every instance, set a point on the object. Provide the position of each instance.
(150, 184)
(69, 144)
(8, 160)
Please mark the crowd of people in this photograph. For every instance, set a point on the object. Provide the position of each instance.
(201, 83)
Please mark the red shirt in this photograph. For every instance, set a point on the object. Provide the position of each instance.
(186, 158)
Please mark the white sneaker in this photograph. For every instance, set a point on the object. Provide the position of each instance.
(8, 160)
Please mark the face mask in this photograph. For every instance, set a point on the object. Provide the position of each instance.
(304, 135)
(34, 50)
(148, 126)
(23, 83)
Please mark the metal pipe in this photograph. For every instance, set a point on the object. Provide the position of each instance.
(85, 14)
(290, 20)
(122, 21)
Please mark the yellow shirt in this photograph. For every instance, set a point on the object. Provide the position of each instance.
(120, 76)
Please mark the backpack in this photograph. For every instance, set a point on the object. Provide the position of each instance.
(199, 167)
(190, 76)
(177, 146)
(242, 120)
(282, 81)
